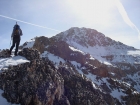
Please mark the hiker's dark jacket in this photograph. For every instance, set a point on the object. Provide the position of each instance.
(16, 36)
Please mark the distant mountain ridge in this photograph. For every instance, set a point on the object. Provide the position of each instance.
(113, 66)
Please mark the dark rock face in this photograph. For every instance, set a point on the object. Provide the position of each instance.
(4, 53)
(41, 43)
(62, 50)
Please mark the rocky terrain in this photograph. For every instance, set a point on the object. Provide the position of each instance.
(80, 66)
(40, 82)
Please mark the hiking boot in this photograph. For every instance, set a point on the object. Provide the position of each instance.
(9, 52)
(15, 54)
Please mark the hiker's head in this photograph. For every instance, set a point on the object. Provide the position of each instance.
(16, 26)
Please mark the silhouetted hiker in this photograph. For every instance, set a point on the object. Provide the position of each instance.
(17, 32)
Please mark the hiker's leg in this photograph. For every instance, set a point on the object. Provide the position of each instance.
(13, 45)
(17, 45)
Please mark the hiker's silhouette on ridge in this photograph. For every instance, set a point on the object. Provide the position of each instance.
(17, 32)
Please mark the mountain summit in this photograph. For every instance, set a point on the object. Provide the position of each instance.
(89, 37)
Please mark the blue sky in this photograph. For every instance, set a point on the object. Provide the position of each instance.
(117, 19)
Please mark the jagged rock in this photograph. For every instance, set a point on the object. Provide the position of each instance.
(4, 53)
(30, 53)
(34, 83)
(41, 43)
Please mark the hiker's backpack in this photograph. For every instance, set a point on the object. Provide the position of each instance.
(16, 31)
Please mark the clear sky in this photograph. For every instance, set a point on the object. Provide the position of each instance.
(117, 19)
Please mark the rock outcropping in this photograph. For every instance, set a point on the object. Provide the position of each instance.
(30, 54)
(4, 53)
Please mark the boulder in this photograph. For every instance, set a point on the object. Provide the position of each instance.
(30, 53)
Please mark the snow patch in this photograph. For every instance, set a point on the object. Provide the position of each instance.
(72, 48)
(107, 63)
(117, 94)
(29, 44)
(113, 74)
(52, 57)
(135, 52)
(5, 62)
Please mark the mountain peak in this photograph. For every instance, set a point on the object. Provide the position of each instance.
(89, 37)
(75, 31)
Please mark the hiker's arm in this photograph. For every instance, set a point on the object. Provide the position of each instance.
(12, 34)
(21, 32)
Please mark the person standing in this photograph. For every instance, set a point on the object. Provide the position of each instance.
(16, 34)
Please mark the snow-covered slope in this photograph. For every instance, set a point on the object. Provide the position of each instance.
(116, 88)
(104, 49)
